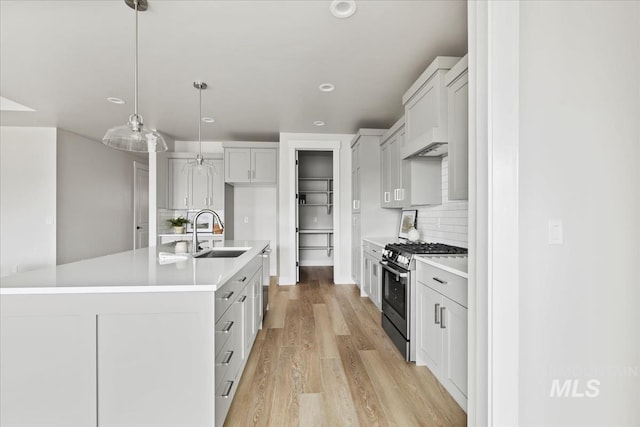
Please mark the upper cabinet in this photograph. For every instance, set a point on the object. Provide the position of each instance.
(251, 165)
(195, 191)
(457, 81)
(407, 182)
(426, 113)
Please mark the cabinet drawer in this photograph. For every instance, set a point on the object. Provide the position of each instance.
(224, 395)
(372, 250)
(447, 284)
(231, 290)
(228, 349)
(229, 325)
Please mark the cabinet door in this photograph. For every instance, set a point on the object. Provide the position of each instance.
(216, 185)
(386, 171)
(179, 186)
(458, 94)
(404, 173)
(237, 165)
(162, 352)
(395, 171)
(201, 183)
(247, 320)
(455, 344)
(428, 333)
(257, 302)
(48, 371)
(264, 165)
(376, 283)
(355, 249)
(366, 276)
(355, 190)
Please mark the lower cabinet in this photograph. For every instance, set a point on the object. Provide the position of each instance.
(441, 330)
(371, 274)
(356, 250)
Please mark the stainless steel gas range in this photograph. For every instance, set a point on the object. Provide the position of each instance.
(398, 289)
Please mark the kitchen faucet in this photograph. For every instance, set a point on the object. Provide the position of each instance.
(195, 245)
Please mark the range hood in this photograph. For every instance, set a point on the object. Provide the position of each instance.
(435, 149)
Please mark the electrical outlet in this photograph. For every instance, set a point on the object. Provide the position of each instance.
(555, 236)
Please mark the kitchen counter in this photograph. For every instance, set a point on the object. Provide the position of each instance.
(380, 241)
(133, 271)
(457, 265)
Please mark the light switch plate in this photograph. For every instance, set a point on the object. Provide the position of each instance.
(555, 234)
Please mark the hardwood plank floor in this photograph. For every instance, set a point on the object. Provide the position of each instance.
(322, 359)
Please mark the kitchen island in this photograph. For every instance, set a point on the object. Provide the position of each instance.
(122, 340)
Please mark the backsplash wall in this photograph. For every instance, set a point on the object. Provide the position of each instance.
(448, 222)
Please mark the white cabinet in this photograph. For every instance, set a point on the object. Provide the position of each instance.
(425, 107)
(441, 328)
(409, 182)
(355, 177)
(356, 249)
(194, 190)
(457, 81)
(251, 165)
(371, 273)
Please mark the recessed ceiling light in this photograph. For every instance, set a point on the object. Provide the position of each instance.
(115, 100)
(319, 123)
(342, 8)
(326, 87)
(208, 119)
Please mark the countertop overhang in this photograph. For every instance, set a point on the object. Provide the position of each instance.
(134, 271)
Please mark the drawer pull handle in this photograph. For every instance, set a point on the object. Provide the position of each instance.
(436, 310)
(226, 296)
(227, 328)
(228, 358)
(243, 279)
(227, 390)
(440, 280)
(442, 318)
(243, 298)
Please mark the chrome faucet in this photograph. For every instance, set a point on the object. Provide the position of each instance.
(195, 245)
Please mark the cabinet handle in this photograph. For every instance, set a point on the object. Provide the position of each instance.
(243, 298)
(186, 201)
(227, 328)
(387, 196)
(436, 311)
(228, 358)
(442, 318)
(243, 279)
(227, 390)
(358, 204)
(402, 194)
(439, 280)
(395, 195)
(226, 296)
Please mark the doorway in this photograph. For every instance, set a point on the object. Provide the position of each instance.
(314, 213)
(140, 205)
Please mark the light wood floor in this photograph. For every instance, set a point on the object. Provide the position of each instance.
(322, 359)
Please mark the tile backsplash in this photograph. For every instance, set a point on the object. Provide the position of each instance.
(448, 222)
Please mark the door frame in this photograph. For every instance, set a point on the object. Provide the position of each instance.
(493, 341)
(334, 148)
(136, 167)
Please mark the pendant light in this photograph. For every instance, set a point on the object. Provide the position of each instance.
(198, 165)
(134, 136)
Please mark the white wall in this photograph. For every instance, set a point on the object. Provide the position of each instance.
(95, 198)
(27, 198)
(259, 205)
(342, 199)
(448, 222)
(580, 163)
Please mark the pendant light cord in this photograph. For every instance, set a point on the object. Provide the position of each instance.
(135, 82)
(200, 120)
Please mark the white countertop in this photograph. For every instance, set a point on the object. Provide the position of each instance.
(456, 264)
(133, 271)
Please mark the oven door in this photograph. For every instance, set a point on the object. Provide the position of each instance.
(395, 296)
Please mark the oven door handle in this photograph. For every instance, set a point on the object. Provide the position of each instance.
(398, 275)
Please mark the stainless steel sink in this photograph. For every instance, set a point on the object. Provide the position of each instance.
(221, 253)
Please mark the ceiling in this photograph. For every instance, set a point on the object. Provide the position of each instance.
(263, 61)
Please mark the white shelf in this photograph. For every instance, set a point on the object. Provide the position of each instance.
(316, 231)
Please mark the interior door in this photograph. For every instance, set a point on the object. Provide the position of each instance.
(297, 215)
(140, 205)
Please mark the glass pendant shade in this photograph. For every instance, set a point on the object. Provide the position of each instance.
(134, 137)
(198, 166)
